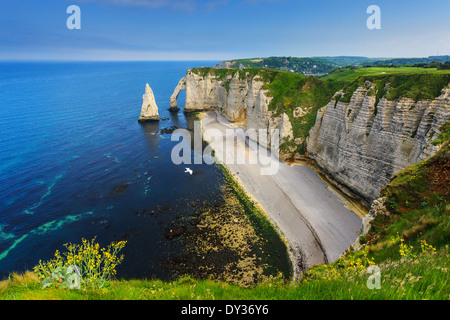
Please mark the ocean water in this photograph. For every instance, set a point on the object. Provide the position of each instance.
(75, 163)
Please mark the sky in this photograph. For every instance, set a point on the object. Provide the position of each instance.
(221, 29)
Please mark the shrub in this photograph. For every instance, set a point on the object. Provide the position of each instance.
(83, 265)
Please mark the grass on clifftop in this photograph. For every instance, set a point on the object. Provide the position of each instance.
(410, 82)
(424, 277)
(290, 91)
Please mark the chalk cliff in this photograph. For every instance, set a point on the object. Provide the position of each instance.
(359, 144)
(149, 109)
(239, 96)
(362, 144)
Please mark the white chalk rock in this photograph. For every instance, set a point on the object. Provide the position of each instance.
(149, 110)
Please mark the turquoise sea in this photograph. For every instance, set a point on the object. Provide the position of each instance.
(75, 163)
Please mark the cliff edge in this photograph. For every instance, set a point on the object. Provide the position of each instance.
(362, 143)
(358, 132)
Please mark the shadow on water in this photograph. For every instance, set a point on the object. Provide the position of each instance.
(151, 130)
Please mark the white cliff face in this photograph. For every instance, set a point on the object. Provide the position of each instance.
(285, 128)
(230, 95)
(202, 92)
(258, 117)
(149, 109)
(241, 100)
(362, 145)
(236, 101)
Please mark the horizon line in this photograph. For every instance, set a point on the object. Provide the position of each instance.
(194, 60)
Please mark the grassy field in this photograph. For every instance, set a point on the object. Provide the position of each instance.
(349, 74)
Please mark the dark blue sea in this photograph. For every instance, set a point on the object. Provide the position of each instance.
(75, 163)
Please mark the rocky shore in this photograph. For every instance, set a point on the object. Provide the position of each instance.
(222, 242)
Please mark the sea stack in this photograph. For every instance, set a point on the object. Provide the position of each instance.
(149, 110)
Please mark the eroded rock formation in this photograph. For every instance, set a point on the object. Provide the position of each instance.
(239, 98)
(149, 109)
(173, 99)
(361, 144)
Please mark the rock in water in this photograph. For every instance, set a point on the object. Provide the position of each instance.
(149, 110)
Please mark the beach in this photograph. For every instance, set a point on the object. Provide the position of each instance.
(315, 222)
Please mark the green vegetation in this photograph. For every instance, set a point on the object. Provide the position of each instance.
(444, 136)
(323, 65)
(277, 256)
(289, 91)
(422, 277)
(85, 265)
(349, 74)
(418, 198)
(404, 61)
(444, 66)
(410, 82)
(297, 65)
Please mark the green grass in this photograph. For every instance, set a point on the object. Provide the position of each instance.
(289, 91)
(349, 74)
(444, 136)
(418, 198)
(425, 277)
(410, 82)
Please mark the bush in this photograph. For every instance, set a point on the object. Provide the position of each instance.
(83, 265)
(444, 66)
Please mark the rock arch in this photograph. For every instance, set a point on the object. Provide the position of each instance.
(173, 99)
